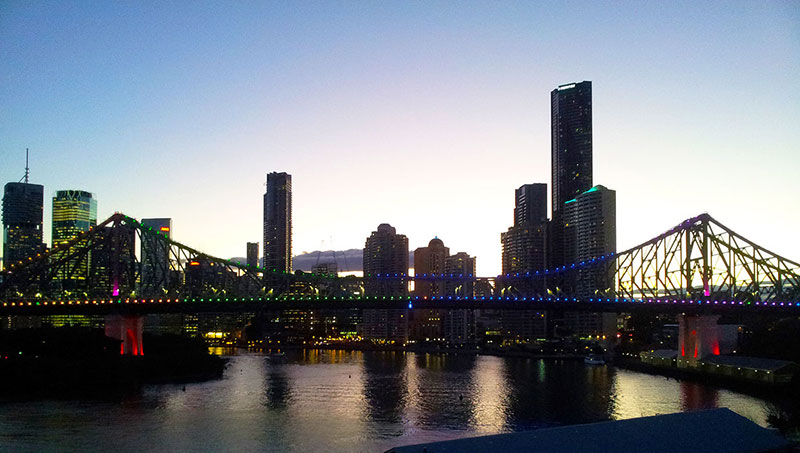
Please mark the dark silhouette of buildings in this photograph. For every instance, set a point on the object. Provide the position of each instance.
(252, 254)
(23, 207)
(571, 155)
(525, 248)
(424, 324)
(459, 325)
(385, 253)
(277, 227)
(154, 254)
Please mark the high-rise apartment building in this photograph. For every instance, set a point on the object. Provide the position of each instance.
(430, 260)
(252, 254)
(459, 325)
(530, 204)
(591, 232)
(385, 268)
(525, 251)
(424, 324)
(571, 156)
(22, 222)
(74, 212)
(278, 223)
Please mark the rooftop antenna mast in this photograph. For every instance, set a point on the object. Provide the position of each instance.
(27, 170)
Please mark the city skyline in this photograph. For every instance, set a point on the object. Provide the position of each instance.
(374, 137)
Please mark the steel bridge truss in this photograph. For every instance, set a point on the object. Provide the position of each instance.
(698, 259)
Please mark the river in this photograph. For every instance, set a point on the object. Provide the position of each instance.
(356, 401)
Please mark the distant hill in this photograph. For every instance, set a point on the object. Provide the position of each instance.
(346, 260)
(351, 260)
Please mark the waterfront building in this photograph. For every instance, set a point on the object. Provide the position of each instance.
(424, 324)
(154, 253)
(22, 222)
(74, 212)
(277, 228)
(571, 156)
(459, 325)
(590, 233)
(525, 251)
(385, 269)
(252, 254)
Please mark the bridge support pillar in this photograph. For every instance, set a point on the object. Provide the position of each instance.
(127, 329)
(698, 337)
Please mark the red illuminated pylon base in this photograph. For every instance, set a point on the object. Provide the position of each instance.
(127, 329)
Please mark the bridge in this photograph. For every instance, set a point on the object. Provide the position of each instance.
(699, 268)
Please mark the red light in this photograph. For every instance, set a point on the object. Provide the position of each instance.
(619, 335)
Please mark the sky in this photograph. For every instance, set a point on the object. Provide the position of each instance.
(424, 115)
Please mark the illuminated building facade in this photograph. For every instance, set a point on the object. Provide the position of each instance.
(385, 252)
(74, 212)
(22, 222)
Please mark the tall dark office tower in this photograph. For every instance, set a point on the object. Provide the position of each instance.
(154, 254)
(385, 253)
(530, 204)
(22, 222)
(278, 223)
(571, 141)
(252, 254)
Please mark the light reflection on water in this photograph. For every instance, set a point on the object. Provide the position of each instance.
(357, 401)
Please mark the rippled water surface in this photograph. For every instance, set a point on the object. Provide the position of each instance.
(357, 401)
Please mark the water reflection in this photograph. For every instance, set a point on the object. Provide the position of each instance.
(277, 389)
(384, 381)
(354, 401)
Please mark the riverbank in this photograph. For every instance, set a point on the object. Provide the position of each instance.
(69, 363)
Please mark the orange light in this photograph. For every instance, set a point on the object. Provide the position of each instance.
(164, 229)
(194, 263)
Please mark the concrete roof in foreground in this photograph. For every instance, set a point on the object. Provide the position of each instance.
(702, 431)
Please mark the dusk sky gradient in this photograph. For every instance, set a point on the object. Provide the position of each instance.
(425, 115)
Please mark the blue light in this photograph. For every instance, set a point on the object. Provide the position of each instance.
(409, 305)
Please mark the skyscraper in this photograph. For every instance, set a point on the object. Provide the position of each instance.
(459, 325)
(590, 232)
(154, 254)
(571, 155)
(22, 222)
(386, 252)
(278, 223)
(530, 204)
(525, 250)
(525, 243)
(424, 324)
(74, 212)
(252, 254)
(571, 141)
